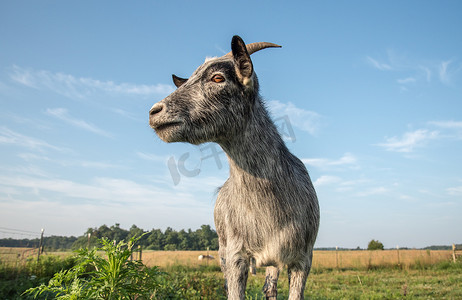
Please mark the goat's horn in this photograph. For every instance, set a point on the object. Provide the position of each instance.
(254, 47)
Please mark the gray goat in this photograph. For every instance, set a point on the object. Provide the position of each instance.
(267, 210)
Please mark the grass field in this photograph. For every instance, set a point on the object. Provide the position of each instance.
(321, 259)
(359, 275)
(420, 274)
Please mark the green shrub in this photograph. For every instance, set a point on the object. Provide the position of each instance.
(375, 245)
(111, 276)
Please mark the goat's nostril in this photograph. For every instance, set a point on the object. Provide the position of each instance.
(156, 109)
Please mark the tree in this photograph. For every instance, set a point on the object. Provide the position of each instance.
(201, 239)
(375, 245)
(118, 233)
(170, 239)
(207, 238)
(135, 231)
(184, 239)
(155, 240)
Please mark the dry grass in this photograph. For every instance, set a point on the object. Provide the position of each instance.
(12, 256)
(171, 258)
(383, 258)
(321, 260)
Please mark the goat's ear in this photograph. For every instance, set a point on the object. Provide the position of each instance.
(178, 81)
(242, 59)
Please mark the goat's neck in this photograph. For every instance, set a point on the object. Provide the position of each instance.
(259, 151)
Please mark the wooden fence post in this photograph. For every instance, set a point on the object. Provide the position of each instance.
(336, 256)
(253, 268)
(141, 253)
(88, 240)
(40, 245)
(397, 250)
(454, 252)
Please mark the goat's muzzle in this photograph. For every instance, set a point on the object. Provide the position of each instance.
(156, 109)
(160, 122)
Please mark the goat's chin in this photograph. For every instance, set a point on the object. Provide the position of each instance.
(170, 135)
(178, 133)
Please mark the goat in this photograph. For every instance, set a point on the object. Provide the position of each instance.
(205, 257)
(267, 210)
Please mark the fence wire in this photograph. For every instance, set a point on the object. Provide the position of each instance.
(28, 246)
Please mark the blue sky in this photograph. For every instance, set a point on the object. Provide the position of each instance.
(368, 94)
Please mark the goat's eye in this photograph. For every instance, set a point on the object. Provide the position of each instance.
(218, 78)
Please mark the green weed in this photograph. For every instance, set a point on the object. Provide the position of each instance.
(111, 276)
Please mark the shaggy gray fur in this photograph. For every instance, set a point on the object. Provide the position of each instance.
(267, 210)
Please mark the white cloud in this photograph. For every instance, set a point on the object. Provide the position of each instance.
(443, 72)
(447, 124)
(454, 191)
(152, 157)
(409, 140)
(346, 159)
(63, 115)
(11, 137)
(201, 183)
(427, 72)
(30, 170)
(372, 192)
(61, 204)
(92, 164)
(81, 87)
(407, 198)
(127, 114)
(411, 71)
(349, 185)
(99, 190)
(451, 130)
(306, 120)
(326, 180)
(33, 157)
(447, 71)
(378, 65)
(406, 80)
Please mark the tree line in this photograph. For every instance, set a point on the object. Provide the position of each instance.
(156, 239)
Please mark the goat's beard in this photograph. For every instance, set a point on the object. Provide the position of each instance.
(177, 133)
(186, 134)
(170, 133)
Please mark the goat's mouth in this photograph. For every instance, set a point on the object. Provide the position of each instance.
(163, 126)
